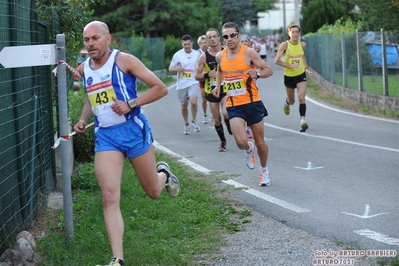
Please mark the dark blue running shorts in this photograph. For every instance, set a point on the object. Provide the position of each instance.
(252, 112)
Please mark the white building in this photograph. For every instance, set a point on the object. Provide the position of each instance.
(274, 19)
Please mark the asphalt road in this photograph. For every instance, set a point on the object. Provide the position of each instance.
(339, 180)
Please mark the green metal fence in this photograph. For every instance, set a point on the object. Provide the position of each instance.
(27, 164)
(350, 60)
(151, 51)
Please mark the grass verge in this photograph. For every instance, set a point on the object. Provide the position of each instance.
(166, 231)
(316, 92)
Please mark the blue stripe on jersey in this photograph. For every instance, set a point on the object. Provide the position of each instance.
(125, 86)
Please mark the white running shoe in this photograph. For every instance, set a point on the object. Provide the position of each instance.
(264, 180)
(195, 126)
(186, 129)
(204, 119)
(173, 184)
(249, 156)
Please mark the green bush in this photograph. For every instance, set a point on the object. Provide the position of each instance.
(172, 45)
(83, 145)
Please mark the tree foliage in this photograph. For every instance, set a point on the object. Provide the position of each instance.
(152, 18)
(316, 13)
(73, 16)
(241, 11)
(262, 6)
(379, 14)
(235, 11)
(374, 15)
(347, 26)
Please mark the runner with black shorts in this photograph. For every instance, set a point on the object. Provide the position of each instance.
(291, 56)
(206, 71)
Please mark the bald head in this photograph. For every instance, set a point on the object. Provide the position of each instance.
(97, 39)
(99, 25)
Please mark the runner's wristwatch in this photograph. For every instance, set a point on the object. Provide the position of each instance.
(132, 103)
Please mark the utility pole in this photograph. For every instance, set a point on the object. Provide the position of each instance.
(284, 23)
(297, 12)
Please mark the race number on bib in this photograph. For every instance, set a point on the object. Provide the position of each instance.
(100, 97)
(234, 86)
(186, 75)
(295, 59)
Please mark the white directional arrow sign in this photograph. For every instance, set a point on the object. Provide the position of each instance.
(310, 167)
(366, 214)
(29, 55)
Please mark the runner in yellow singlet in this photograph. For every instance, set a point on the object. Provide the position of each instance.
(291, 56)
(238, 66)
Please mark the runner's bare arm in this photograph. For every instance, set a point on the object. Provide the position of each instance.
(280, 52)
(219, 76)
(130, 64)
(200, 75)
(86, 112)
(253, 58)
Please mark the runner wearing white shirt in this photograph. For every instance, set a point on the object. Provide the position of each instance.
(263, 49)
(184, 62)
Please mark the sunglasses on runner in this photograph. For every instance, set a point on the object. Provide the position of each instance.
(231, 35)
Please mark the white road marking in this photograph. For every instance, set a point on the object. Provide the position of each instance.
(350, 113)
(266, 197)
(366, 214)
(182, 159)
(309, 167)
(378, 237)
(249, 190)
(332, 139)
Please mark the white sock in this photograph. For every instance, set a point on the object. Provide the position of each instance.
(250, 149)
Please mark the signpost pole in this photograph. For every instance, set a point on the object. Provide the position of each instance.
(64, 130)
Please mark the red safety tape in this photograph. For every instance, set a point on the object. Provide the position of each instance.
(73, 70)
(67, 137)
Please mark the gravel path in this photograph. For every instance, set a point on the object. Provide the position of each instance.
(266, 242)
(263, 242)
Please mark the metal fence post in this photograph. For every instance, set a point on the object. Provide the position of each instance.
(384, 64)
(64, 131)
(359, 62)
(343, 49)
(332, 63)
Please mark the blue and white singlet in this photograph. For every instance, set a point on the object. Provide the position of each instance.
(104, 83)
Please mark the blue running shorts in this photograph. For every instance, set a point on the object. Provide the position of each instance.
(132, 138)
(252, 112)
